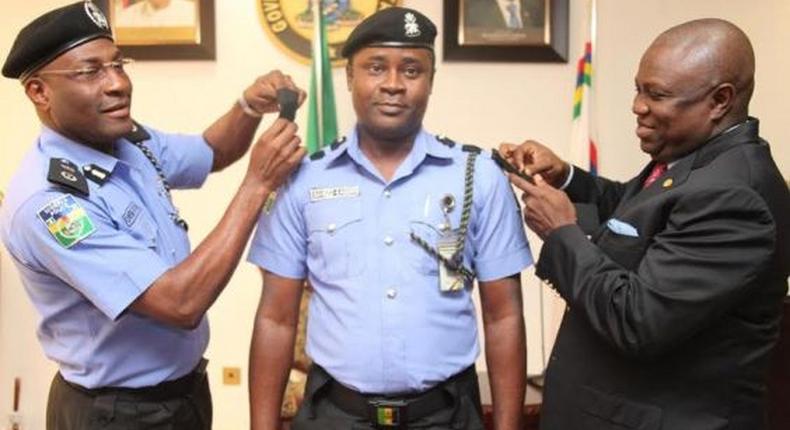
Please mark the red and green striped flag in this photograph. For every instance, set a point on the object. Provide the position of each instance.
(584, 149)
(322, 118)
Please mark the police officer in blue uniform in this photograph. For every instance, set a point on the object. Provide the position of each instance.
(391, 227)
(102, 250)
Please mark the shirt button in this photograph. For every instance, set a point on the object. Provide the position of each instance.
(387, 193)
(331, 228)
(389, 241)
(392, 293)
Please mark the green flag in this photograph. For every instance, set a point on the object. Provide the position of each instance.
(322, 118)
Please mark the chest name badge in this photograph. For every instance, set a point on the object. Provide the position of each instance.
(329, 193)
(66, 220)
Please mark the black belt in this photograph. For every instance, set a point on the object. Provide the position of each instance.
(163, 391)
(394, 411)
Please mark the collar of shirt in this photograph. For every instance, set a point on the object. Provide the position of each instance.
(425, 145)
(56, 145)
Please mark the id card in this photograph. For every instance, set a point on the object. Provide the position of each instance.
(449, 280)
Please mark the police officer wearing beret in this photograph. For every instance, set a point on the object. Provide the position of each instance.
(102, 250)
(391, 227)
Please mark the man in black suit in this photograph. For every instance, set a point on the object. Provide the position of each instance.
(674, 301)
(503, 14)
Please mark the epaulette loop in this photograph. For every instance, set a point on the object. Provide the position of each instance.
(339, 141)
(471, 148)
(138, 133)
(317, 155)
(446, 141)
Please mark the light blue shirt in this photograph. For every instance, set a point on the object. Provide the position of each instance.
(82, 292)
(378, 322)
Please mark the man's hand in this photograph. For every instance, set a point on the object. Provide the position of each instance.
(275, 155)
(533, 158)
(262, 94)
(545, 207)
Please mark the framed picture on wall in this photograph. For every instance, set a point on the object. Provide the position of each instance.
(162, 29)
(506, 30)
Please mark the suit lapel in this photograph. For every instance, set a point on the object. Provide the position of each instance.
(745, 132)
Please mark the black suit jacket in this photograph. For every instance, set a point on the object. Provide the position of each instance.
(671, 329)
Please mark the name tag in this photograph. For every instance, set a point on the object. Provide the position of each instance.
(318, 194)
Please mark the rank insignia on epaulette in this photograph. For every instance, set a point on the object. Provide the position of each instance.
(471, 148)
(66, 220)
(64, 172)
(96, 174)
(138, 133)
(446, 141)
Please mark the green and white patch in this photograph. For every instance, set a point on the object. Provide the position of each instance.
(66, 220)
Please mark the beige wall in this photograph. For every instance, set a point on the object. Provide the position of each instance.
(481, 103)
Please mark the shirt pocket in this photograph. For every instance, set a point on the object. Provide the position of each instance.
(334, 230)
(133, 219)
(624, 250)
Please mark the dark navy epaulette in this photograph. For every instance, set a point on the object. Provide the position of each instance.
(471, 148)
(446, 141)
(64, 172)
(138, 134)
(332, 146)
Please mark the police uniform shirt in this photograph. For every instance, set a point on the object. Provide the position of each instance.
(378, 322)
(82, 289)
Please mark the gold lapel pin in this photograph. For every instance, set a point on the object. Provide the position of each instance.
(667, 183)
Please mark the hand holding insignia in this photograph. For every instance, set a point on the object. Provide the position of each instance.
(533, 158)
(261, 96)
(275, 155)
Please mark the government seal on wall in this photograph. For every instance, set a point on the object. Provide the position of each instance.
(290, 23)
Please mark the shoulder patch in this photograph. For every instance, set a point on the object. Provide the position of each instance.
(96, 174)
(317, 155)
(446, 141)
(339, 141)
(138, 134)
(471, 148)
(66, 220)
(64, 172)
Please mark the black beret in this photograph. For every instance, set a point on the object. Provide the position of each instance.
(393, 26)
(52, 34)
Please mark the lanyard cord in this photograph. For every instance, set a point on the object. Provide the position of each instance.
(174, 215)
(456, 262)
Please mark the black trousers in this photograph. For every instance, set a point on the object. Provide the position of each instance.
(317, 411)
(72, 407)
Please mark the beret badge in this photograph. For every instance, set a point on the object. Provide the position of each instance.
(96, 15)
(411, 26)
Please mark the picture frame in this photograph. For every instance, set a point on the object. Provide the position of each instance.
(482, 30)
(180, 30)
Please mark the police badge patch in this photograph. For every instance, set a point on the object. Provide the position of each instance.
(66, 220)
